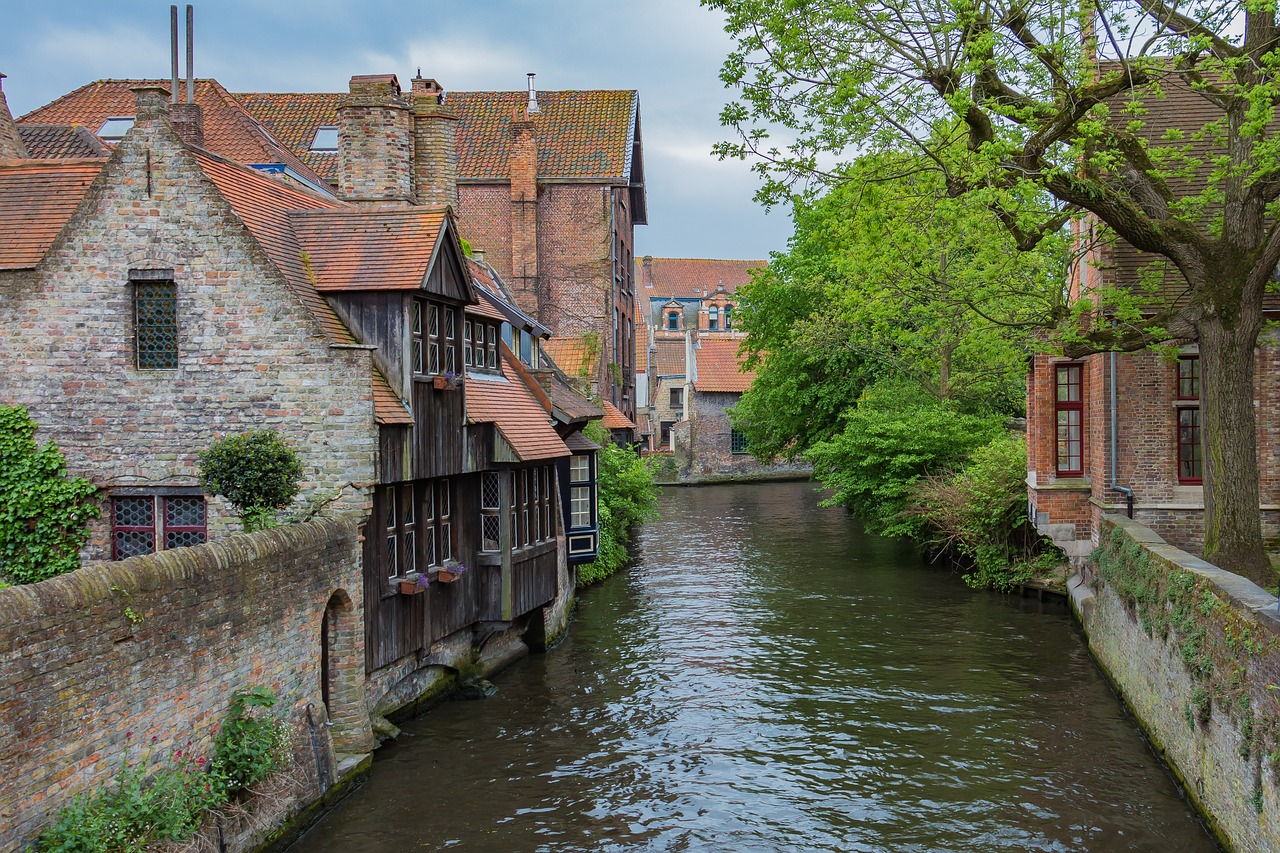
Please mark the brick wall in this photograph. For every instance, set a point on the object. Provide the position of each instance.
(250, 354)
(1218, 723)
(706, 454)
(78, 675)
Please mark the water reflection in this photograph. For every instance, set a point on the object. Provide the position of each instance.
(768, 678)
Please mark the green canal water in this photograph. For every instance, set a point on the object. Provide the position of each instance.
(770, 678)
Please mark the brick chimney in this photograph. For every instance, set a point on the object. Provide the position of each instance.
(11, 146)
(150, 105)
(375, 148)
(523, 163)
(188, 122)
(435, 146)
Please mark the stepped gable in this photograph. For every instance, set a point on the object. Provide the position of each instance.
(229, 129)
(581, 134)
(718, 365)
(37, 199)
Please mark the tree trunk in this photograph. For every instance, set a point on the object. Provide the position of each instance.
(1229, 436)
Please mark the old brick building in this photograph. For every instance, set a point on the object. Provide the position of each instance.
(1120, 433)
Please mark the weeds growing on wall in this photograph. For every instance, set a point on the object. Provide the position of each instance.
(627, 496)
(44, 514)
(152, 801)
(1217, 644)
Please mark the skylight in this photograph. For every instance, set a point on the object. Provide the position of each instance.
(114, 128)
(326, 139)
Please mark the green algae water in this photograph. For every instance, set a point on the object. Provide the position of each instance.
(770, 678)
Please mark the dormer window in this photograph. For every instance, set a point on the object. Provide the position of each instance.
(114, 128)
(673, 321)
(713, 319)
(326, 139)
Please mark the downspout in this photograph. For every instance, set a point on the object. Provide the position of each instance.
(1115, 434)
(612, 310)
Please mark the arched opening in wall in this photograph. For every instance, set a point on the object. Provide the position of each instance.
(341, 674)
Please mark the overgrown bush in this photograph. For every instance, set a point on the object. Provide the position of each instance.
(980, 514)
(896, 436)
(44, 514)
(627, 496)
(256, 471)
(145, 804)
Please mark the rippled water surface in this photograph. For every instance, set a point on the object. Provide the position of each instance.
(769, 678)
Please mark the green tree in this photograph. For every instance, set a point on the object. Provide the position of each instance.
(626, 497)
(256, 471)
(1016, 83)
(44, 514)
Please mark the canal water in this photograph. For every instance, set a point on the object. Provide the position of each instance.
(769, 678)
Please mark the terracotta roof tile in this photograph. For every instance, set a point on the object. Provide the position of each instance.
(349, 249)
(518, 416)
(61, 140)
(615, 419)
(229, 129)
(579, 443)
(580, 133)
(717, 365)
(37, 199)
(387, 407)
(575, 356)
(567, 399)
(692, 277)
(265, 206)
(668, 358)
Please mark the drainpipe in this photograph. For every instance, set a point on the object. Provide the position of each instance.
(1115, 434)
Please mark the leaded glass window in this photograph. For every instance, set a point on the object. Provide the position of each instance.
(155, 312)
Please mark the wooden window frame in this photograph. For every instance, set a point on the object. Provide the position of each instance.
(738, 443)
(160, 527)
(433, 339)
(1187, 420)
(492, 347)
(1062, 444)
(467, 349)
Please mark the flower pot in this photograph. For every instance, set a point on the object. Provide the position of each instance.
(447, 575)
(440, 383)
(410, 587)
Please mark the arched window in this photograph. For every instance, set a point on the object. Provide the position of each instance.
(713, 318)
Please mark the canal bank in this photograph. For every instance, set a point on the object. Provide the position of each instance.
(769, 678)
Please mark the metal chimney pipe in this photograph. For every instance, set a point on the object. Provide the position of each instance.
(533, 96)
(173, 48)
(191, 80)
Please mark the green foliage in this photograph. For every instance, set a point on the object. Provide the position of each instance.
(896, 436)
(252, 742)
(627, 496)
(256, 471)
(43, 513)
(466, 246)
(980, 513)
(148, 804)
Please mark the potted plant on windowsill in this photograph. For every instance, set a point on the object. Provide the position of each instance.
(413, 583)
(447, 381)
(450, 571)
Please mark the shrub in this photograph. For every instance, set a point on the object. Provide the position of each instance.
(44, 514)
(896, 436)
(256, 471)
(627, 496)
(251, 744)
(980, 514)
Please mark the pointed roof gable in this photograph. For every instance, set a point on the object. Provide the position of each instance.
(354, 249)
(615, 419)
(229, 129)
(37, 199)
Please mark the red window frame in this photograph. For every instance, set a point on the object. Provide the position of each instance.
(1187, 422)
(161, 527)
(1068, 413)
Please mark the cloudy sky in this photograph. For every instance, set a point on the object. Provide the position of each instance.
(670, 50)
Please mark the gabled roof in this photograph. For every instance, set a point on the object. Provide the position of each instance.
(229, 129)
(581, 134)
(61, 140)
(692, 278)
(717, 365)
(512, 409)
(615, 419)
(668, 357)
(37, 199)
(353, 249)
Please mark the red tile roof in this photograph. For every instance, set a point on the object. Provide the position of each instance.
(668, 357)
(387, 406)
(518, 416)
(717, 365)
(575, 356)
(348, 249)
(614, 418)
(692, 277)
(581, 134)
(37, 199)
(229, 129)
(61, 140)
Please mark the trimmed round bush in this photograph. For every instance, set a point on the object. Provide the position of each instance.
(255, 471)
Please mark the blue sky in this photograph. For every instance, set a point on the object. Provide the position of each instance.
(670, 50)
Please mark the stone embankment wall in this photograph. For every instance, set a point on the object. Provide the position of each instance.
(145, 654)
(1195, 652)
